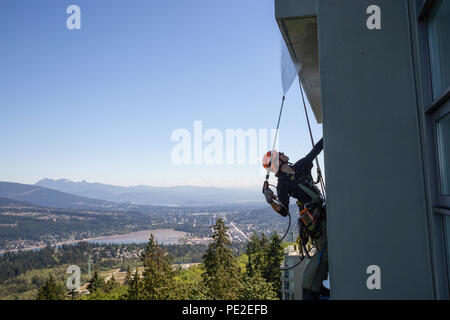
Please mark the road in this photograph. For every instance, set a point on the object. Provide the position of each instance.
(239, 230)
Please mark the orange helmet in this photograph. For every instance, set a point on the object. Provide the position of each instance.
(271, 160)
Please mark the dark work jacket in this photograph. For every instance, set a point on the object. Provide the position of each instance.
(288, 185)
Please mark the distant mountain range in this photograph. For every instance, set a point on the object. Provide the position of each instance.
(47, 197)
(146, 195)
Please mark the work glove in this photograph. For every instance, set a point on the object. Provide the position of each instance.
(319, 176)
(268, 193)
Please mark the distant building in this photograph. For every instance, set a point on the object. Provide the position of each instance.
(291, 280)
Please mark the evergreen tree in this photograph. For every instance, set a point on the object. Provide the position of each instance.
(274, 258)
(264, 245)
(96, 283)
(111, 284)
(73, 294)
(51, 290)
(158, 282)
(254, 252)
(222, 273)
(134, 287)
(265, 258)
(256, 288)
(128, 276)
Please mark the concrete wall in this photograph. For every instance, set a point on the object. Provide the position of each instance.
(376, 195)
(377, 213)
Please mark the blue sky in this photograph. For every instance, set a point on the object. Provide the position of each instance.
(101, 103)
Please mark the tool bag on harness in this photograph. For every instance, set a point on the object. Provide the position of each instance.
(311, 213)
(310, 217)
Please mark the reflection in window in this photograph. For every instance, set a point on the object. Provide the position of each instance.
(439, 45)
(443, 140)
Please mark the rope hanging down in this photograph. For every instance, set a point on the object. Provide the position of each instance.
(319, 177)
(319, 171)
(271, 159)
(276, 135)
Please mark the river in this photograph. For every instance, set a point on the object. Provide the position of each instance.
(162, 236)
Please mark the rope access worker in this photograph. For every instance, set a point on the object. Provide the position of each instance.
(295, 180)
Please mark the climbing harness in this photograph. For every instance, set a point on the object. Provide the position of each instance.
(311, 216)
(308, 228)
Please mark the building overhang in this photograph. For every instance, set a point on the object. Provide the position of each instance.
(297, 21)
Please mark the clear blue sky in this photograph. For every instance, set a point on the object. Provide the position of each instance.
(101, 103)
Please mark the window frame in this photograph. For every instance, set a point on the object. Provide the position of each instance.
(427, 7)
(433, 110)
(436, 108)
(438, 114)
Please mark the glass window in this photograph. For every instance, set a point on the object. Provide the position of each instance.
(447, 237)
(443, 141)
(439, 46)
